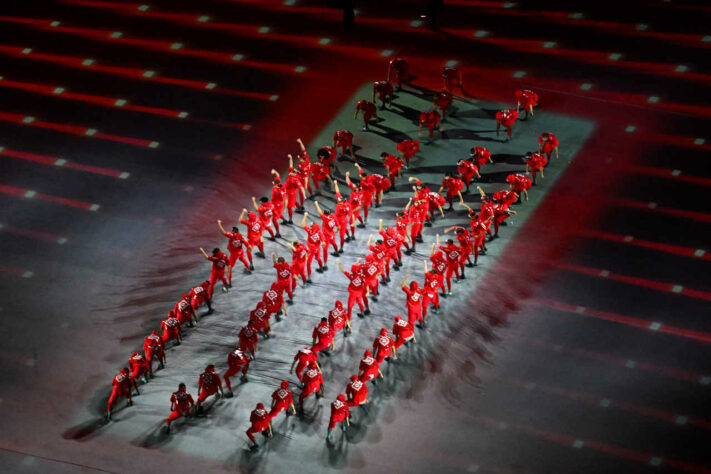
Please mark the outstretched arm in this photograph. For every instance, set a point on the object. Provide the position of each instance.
(241, 215)
(254, 203)
(303, 221)
(204, 253)
(318, 208)
(301, 144)
(219, 224)
(380, 225)
(404, 280)
(340, 267)
(276, 173)
(274, 259)
(431, 252)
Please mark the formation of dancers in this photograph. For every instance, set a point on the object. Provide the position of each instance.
(458, 248)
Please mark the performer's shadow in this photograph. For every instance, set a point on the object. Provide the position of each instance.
(409, 113)
(389, 133)
(466, 134)
(508, 158)
(155, 437)
(336, 451)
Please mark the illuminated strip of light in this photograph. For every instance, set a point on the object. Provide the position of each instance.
(21, 192)
(61, 162)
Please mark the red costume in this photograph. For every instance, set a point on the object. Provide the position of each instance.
(329, 227)
(547, 143)
(343, 139)
(442, 101)
(369, 367)
(519, 183)
(260, 420)
(467, 170)
(154, 348)
(121, 387)
(181, 402)
(285, 278)
(414, 302)
(171, 328)
(399, 70)
(299, 256)
(535, 162)
(453, 255)
(219, 264)
(339, 412)
(255, 229)
(183, 310)
(480, 155)
(208, 383)
(138, 365)
(356, 291)
(384, 91)
(303, 359)
(248, 337)
(282, 399)
(433, 282)
(507, 118)
(453, 186)
(199, 295)
(451, 77)
(260, 317)
(312, 380)
(315, 242)
(237, 361)
(430, 119)
(393, 165)
(322, 335)
(383, 346)
(337, 317)
(408, 148)
(273, 300)
(527, 99)
(403, 331)
(368, 110)
(356, 392)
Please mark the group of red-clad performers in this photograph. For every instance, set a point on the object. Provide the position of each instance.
(364, 277)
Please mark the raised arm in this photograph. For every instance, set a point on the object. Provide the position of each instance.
(291, 161)
(204, 253)
(340, 267)
(425, 262)
(318, 208)
(404, 280)
(276, 173)
(274, 259)
(241, 215)
(370, 239)
(254, 203)
(380, 226)
(464, 205)
(432, 252)
(301, 144)
(222, 229)
(303, 221)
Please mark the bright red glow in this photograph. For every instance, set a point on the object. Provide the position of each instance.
(33, 234)
(667, 174)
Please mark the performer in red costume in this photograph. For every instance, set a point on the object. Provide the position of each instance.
(154, 347)
(442, 101)
(285, 277)
(181, 404)
(329, 227)
(344, 139)
(507, 118)
(403, 331)
(219, 263)
(313, 383)
(344, 218)
(303, 359)
(467, 170)
(322, 338)
(480, 155)
(519, 184)
(356, 289)
(171, 328)
(465, 246)
(439, 263)
(535, 162)
(184, 311)
(278, 198)
(356, 392)
(266, 214)
(414, 301)
(238, 246)
(121, 386)
(371, 186)
(369, 368)
(261, 423)
(453, 254)
(384, 347)
(368, 110)
(451, 78)
(399, 70)
(527, 99)
(338, 319)
(394, 166)
(339, 414)
(408, 148)
(430, 119)
(282, 399)
(454, 187)
(316, 246)
(384, 90)
(248, 338)
(299, 256)
(255, 230)
(260, 317)
(548, 143)
(433, 282)
(208, 384)
(237, 361)
(274, 301)
(138, 365)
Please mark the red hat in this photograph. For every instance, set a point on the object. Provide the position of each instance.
(383, 332)
(367, 353)
(285, 384)
(210, 368)
(341, 398)
(354, 378)
(398, 318)
(134, 353)
(339, 305)
(260, 406)
(413, 285)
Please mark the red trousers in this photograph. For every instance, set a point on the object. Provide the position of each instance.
(232, 371)
(427, 299)
(214, 276)
(206, 392)
(177, 413)
(451, 269)
(353, 298)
